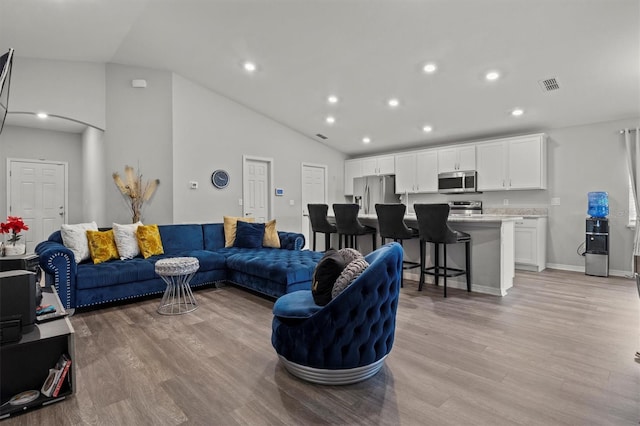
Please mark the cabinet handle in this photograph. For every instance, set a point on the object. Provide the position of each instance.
(509, 183)
(503, 183)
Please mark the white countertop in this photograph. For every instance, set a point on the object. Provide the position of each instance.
(460, 218)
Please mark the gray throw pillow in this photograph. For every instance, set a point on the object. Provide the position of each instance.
(356, 265)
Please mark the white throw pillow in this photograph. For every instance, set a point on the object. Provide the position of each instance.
(75, 239)
(126, 242)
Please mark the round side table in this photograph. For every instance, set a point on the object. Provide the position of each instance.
(177, 273)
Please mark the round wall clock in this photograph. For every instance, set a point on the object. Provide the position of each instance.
(220, 179)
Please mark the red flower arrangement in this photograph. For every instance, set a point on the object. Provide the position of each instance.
(13, 226)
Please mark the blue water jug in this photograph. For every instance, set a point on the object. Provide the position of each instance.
(598, 204)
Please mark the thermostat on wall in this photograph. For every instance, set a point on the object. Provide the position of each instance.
(279, 192)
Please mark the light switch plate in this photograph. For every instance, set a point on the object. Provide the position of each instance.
(555, 201)
(193, 184)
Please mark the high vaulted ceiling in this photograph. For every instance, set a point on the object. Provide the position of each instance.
(365, 52)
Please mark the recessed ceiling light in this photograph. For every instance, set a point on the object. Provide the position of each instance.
(332, 99)
(517, 112)
(393, 102)
(427, 129)
(430, 68)
(249, 66)
(492, 75)
(330, 119)
(366, 139)
(42, 115)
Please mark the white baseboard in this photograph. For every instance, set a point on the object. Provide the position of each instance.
(613, 272)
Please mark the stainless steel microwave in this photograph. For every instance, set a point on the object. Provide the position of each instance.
(458, 182)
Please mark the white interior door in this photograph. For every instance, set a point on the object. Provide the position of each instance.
(314, 191)
(256, 188)
(37, 192)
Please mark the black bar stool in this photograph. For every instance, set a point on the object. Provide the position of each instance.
(320, 223)
(433, 227)
(391, 225)
(350, 227)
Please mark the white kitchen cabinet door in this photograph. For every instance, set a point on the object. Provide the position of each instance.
(525, 239)
(386, 165)
(467, 157)
(531, 244)
(427, 171)
(369, 166)
(527, 163)
(352, 169)
(447, 160)
(405, 165)
(457, 159)
(491, 166)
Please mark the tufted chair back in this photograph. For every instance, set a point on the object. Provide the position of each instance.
(353, 331)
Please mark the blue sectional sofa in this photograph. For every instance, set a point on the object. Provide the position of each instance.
(270, 271)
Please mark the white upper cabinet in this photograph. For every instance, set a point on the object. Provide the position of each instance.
(382, 165)
(352, 169)
(457, 158)
(512, 163)
(417, 172)
(406, 173)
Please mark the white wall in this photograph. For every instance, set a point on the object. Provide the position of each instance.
(212, 132)
(73, 90)
(139, 134)
(37, 144)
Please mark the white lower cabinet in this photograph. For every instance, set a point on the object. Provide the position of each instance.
(531, 244)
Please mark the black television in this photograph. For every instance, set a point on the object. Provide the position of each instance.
(6, 62)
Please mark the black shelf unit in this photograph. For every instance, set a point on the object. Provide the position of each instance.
(24, 365)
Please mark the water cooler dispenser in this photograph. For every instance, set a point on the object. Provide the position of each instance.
(597, 235)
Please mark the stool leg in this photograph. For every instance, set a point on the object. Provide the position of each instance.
(327, 241)
(339, 241)
(445, 270)
(436, 263)
(467, 246)
(354, 242)
(422, 265)
(375, 241)
(314, 240)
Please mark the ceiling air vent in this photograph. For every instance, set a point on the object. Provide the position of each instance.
(321, 136)
(549, 84)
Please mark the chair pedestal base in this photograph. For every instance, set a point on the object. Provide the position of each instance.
(332, 377)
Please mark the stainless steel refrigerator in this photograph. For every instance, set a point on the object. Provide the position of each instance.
(371, 190)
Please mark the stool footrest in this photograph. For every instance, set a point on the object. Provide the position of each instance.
(450, 272)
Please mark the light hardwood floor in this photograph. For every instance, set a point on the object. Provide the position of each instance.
(557, 350)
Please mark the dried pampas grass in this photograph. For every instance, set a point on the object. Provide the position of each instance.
(134, 191)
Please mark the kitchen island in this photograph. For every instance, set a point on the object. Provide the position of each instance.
(492, 251)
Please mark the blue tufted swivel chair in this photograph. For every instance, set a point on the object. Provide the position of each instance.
(347, 340)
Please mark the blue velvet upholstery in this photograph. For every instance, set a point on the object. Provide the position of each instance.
(86, 284)
(355, 329)
(296, 305)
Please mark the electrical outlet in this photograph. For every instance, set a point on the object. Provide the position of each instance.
(505, 202)
(239, 201)
(193, 184)
(292, 202)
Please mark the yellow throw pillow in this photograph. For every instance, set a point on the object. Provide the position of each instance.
(102, 246)
(271, 238)
(230, 224)
(149, 241)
